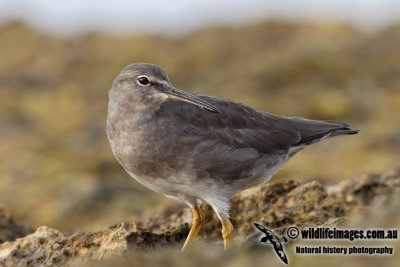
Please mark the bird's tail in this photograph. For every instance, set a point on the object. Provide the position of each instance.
(312, 131)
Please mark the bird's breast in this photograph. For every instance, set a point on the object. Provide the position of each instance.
(140, 145)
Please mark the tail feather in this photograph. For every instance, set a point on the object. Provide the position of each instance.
(311, 131)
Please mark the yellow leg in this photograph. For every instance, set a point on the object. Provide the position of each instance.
(197, 223)
(227, 233)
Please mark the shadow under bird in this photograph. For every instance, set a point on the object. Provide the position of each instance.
(200, 149)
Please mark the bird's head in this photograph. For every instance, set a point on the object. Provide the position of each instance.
(146, 84)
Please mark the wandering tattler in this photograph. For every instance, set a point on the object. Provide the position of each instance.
(200, 149)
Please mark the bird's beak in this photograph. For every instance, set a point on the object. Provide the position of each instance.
(180, 95)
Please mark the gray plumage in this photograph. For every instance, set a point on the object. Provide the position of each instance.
(199, 148)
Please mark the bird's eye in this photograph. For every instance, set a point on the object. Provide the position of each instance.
(143, 80)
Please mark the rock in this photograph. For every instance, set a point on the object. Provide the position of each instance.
(276, 204)
(364, 189)
(50, 247)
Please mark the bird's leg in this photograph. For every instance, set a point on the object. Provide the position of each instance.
(227, 233)
(197, 223)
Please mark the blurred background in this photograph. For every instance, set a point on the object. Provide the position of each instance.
(334, 60)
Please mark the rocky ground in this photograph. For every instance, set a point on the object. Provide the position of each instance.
(276, 204)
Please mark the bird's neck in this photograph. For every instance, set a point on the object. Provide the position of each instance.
(127, 109)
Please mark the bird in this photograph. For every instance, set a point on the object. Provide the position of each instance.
(200, 149)
(275, 241)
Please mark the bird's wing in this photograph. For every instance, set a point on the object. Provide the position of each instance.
(314, 130)
(235, 125)
(281, 255)
(268, 132)
(236, 137)
(260, 227)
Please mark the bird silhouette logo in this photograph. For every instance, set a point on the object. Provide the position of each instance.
(274, 240)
